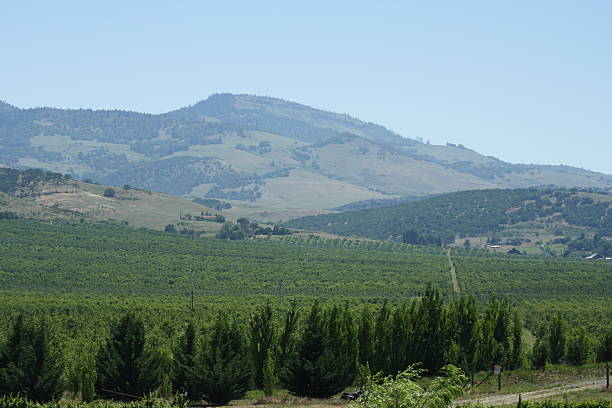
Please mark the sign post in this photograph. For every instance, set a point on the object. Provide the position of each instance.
(497, 370)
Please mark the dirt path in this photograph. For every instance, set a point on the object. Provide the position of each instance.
(509, 399)
(453, 273)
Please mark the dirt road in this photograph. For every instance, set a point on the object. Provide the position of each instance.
(453, 273)
(509, 399)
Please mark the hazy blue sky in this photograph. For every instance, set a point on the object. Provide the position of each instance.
(526, 81)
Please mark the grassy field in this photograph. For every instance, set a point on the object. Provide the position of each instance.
(139, 208)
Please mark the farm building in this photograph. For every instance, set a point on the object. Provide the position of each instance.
(514, 251)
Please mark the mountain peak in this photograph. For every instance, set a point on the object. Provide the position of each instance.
(5, 107)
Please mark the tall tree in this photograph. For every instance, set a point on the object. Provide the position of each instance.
(118, 361)
(431, 320)
(578, 348)
(184, 361)
(287, 340)
(557, 338)
(315, 370)
(262, 341)
(222, 370)
(27, 365)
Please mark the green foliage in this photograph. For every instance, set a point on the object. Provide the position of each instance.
(27, 364)
(119, 362)
(107, 258)
(185, 360)
(467, 213)
(222, 370)
(262, 341)
(579, 348)
(403, 390)
(322, 365)
(269, 377)
(109, 192)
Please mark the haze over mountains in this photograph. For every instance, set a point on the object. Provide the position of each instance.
(269, 154)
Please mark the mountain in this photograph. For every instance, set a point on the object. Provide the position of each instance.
(39, 194)
(272, 158)
(535, 214)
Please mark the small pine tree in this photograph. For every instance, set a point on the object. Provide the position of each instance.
(222, 371)
(27, 365)
(318, 370)
(118, 362)
(184, 362)
(541, 352)
(262, 341)
(557, 339)
(578, 348)
(604, 353)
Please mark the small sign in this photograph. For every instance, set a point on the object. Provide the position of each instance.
(496, 369)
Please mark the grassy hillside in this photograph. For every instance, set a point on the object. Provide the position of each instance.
(537, 213)
(46, 195)
(273, 157)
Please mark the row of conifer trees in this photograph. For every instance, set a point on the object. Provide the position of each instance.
(313, 352)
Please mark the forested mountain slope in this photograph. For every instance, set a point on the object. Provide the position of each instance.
(476, 213)
(269, 154)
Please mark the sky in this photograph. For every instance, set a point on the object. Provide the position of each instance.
(525, 81)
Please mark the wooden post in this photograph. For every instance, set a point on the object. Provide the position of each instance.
(497, 370)
(607, 375)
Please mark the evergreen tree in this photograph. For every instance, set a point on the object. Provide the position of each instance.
(286, 341)
(27, 365)
(466, 319)
(184, 362)
(261, 341)
(118, 361)
(516, 357)
(382, 346)
(222, 370)
(578, 348)
(541, 350)
(433, 339)
(365, 337)
(604, 353)
(557, 338)
(317, 371)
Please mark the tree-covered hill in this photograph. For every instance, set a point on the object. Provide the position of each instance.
(268, 155)
(473, 213)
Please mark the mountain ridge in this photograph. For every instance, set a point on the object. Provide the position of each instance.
(264, 153)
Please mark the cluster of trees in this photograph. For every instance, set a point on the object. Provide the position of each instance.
(246, 229)
(314, 353)
(203, 216)
(596, 244)
(8, 215)
(556, 344)
(12, 180)
(213, 203)
(415, 238)
(262, 148)
(468, 213)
